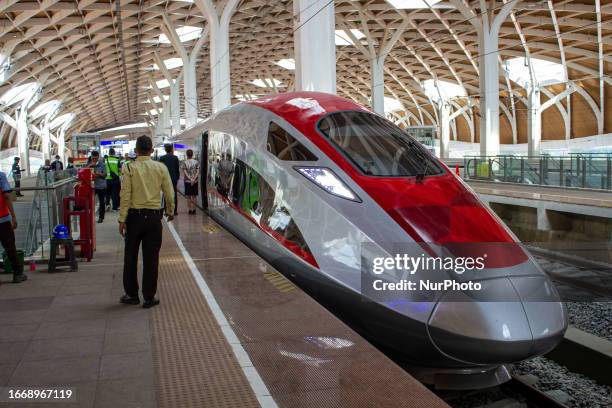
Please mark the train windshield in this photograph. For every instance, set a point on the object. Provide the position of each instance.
(377, 147)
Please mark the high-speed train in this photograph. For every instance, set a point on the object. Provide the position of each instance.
(323, 189)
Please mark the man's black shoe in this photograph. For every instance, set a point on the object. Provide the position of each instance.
(128, 300)
(100, 220)
(19, 278)
(150, 303)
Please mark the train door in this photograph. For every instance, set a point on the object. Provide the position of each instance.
(204, 170)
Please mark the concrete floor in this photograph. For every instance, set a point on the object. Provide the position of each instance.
(68, 328)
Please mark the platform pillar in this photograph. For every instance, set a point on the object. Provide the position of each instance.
(489, 93)
(218, 23)
(46, 140)
(23, 139)
(175, 97)
(189, 69)
(534, 121)
(175, 106)
(191, 93)
(543, 223)
(444, 118)
(487, 26)
(315, 46)
(378, 84)
(61, 142)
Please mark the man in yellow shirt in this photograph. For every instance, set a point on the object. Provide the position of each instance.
(140, 221)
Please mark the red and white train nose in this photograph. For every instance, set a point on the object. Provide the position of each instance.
(514, 322)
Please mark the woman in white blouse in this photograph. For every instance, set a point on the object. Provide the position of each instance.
(191, 174)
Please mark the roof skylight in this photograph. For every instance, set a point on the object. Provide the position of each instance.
(342, 38)
(45, 109)
(413, 4)
(392, 105)
(439, 91)
(19, 93)
(125, 127)
(287, 63)
(63, 120)
(185, 34)
(267, 83)
(545, 72)
(171, 63)
(162, 83)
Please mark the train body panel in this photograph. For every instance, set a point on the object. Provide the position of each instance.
(262, 158)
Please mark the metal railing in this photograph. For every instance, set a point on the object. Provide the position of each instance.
(46, 208)
(593, 171)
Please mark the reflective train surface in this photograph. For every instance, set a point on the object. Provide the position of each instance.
(319, 187)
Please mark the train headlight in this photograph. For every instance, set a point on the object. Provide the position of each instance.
(328, 181)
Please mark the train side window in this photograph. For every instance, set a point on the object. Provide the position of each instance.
(284, 146)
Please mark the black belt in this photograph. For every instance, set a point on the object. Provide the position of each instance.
(145, 211)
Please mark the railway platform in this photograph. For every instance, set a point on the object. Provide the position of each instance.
(566, 219)
(575, 200)
(230, 332)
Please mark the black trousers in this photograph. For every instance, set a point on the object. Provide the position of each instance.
(17, 186)
(101, 193)
(112, 192)
(174, 183)
(7, 239)
(145, 229)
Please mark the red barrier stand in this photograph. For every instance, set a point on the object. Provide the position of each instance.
(82, 205)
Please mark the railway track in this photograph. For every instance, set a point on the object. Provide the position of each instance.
(577, 279)
(519, 392)
(533, 398)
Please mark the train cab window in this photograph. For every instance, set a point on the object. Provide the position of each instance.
(284, 146)
(376, 146)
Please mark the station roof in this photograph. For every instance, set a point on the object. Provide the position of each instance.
(97, 57)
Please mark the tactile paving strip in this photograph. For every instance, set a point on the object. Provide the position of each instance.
(194, 364)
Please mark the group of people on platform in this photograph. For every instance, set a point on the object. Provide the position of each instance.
(141, 189)
(107, 180)
(109, 173)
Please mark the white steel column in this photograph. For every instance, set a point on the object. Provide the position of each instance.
(601, 70)
(487, 26)
(444, 120)
(377, 59)
(23, 139)
(163, 117)
(489, 93)
(219, 22)
(314, 45)
(534, 121)
(175, 101)
(46, 139)
(191, 93)
(535, 110)
(189, 69)
(378, 84)
(61, 142)
(175, 106)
